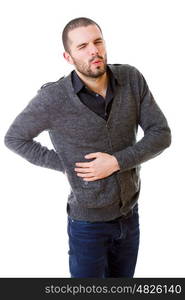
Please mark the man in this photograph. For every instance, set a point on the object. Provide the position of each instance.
(92, 116)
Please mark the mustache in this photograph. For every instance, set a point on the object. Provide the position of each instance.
(95, 57)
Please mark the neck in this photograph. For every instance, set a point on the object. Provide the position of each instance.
(98, 85)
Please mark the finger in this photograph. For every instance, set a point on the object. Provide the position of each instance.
(83, 170)
(83, 164)
(91, 155)
(91, 178)
(85, 175)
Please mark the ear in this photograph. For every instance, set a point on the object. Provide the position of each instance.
(68, 57)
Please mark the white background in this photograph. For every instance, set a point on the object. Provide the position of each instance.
(33, 221)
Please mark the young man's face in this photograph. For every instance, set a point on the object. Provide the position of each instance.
(87, 51)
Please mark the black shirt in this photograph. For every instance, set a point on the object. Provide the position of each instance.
(94, 101)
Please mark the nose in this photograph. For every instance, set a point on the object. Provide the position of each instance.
(93, 50)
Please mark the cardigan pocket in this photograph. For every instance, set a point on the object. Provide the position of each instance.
(77, 182)
(90, 184)
(96, 194)
(93, 194)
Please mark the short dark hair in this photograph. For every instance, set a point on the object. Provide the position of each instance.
(75, 23)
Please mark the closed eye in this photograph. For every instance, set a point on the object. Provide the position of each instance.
(81, 46)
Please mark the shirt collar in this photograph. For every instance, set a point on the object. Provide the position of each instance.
(78, 84)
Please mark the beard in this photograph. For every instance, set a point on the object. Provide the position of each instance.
(86, 70)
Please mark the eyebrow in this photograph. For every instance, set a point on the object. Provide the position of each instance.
(84, 44)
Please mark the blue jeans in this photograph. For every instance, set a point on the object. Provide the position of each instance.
(103, 249)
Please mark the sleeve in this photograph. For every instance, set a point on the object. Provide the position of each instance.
(157, 134)
(19, 138)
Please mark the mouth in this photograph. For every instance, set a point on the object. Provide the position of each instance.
(96, 62)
